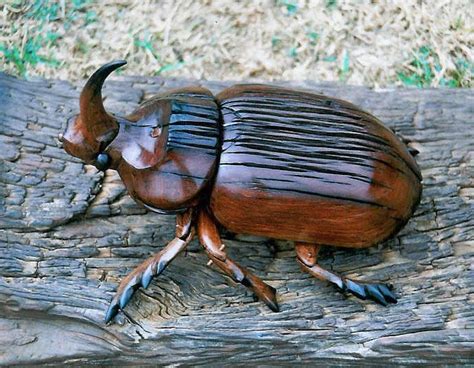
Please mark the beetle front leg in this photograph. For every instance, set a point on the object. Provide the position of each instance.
(307, 255)
(211, 241)
(153, 266)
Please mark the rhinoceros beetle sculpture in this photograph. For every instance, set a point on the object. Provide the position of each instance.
(254, 159)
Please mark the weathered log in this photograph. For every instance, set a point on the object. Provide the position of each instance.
(69, 234)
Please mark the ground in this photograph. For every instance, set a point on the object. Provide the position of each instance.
(413, 43)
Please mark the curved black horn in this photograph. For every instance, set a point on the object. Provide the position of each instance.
(93, 114)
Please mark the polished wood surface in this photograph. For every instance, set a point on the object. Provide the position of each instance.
(166, 151)
(256, 160)
(90, 131)
(310, 168)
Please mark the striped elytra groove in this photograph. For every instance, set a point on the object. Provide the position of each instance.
(193, 123)
(312, 150)
(298, 105)
(328, 128)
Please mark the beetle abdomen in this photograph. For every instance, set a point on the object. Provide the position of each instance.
(306, 167)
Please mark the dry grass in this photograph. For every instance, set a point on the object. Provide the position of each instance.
(411, 42)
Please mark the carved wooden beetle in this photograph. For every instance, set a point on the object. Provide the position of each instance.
(254, 159)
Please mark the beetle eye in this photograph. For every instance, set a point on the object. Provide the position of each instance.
(102, 162)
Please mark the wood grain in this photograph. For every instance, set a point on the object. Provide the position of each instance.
(69, 234)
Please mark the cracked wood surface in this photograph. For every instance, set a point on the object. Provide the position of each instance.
(69, 234)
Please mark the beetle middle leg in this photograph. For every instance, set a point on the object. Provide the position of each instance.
(141, 276)
(211, 241)
(307, 255)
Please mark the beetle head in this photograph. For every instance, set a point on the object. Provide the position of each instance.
(91, 131)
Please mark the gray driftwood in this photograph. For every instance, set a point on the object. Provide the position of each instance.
(69, 234)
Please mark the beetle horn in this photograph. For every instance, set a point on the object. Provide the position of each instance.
(97, 121)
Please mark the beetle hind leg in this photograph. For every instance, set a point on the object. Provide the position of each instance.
(307, 255)
(210, 239)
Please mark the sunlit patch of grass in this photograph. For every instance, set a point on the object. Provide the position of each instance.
(170, 67)
(276, 42)
(462, 76)
(331, 4)
(147, 43)
(12, 55)
(345, 67)
(353, 42)
(313, 37)
(290, 5)
(422, 66)
(30, 53)
(330, 58)
(293, 52)
(424, 70)
(44, 11)
(36, 37)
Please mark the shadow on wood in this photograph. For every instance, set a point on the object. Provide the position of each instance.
(69, 234)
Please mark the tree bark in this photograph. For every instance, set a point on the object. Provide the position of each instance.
(70, 233)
